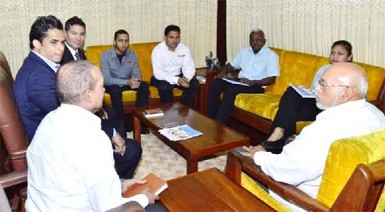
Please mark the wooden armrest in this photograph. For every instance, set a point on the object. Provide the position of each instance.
(13, 178)
(236, 163)
(18, 154)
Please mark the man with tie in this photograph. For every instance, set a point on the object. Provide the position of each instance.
(35, 88)
(127, 151)
(75, 33)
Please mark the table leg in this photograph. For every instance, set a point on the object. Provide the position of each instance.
(137, 128)
(192, 166)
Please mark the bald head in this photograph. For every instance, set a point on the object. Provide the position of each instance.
(341, 83)
(351, 75)
(73, 79)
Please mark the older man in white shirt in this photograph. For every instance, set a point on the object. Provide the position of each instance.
(70, 162)
(341, 94)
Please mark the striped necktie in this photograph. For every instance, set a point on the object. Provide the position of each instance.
(77, 57)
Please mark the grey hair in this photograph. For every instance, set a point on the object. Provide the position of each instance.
(73, 80)
(257, 30)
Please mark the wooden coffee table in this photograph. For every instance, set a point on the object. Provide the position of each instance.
(209, 190)
(216, 137)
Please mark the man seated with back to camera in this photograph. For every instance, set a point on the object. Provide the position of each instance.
(70, 163)
(35, 87)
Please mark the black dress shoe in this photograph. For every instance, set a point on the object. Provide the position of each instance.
(274, 147)
(144, 130)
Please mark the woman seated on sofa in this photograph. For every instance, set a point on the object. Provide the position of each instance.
(293, 108)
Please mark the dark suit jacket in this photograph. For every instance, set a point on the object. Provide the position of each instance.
(67, 56)
(107, 127)
(35, 92)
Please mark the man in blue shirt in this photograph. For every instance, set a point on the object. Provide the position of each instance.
(258, 66)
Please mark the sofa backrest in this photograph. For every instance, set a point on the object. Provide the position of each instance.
(299, 69)
(142, 50)
(343, 157)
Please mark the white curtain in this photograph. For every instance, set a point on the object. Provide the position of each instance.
(310, 26)
(145, 20)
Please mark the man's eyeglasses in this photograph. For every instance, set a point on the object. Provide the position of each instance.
(323, 84)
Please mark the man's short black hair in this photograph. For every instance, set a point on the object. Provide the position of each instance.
(119, 32)
(41, 26)
(74, 21)
(170, 28)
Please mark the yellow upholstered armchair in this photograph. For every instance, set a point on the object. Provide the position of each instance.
(353, 178)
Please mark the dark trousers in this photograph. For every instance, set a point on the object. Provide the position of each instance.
(166, 94)
(115, 91)
(220, 110)
(293, 108)
(126, 164)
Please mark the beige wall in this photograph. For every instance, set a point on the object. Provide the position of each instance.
(145, 20)
(301, 25)
(310, 25)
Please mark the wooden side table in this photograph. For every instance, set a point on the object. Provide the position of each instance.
(209, 190)
(202, 96)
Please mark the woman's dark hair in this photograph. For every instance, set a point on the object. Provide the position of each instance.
(346, 45)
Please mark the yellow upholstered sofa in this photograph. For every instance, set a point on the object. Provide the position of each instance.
(143, 52)
(335, 191)
(258, 110)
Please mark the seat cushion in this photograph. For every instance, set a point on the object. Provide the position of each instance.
(130, 96)
(264, 105)
(344, 155)
(250, 185)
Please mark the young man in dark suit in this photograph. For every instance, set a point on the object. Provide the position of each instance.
(35, 89)
(127, 151)
(35, 82)
(75, 33)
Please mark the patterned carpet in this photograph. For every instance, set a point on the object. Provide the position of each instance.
(159, 159)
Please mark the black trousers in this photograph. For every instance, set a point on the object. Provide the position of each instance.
(127, 163)
(220, 110)
(293, 108)
(166, 94)
(115, 91)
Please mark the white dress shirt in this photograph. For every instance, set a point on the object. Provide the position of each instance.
(302, 161)
(167, 65)
(71, 165)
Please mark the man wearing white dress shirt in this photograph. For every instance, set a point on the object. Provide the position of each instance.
(341, 94)
(70, 162)
(174, 67)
